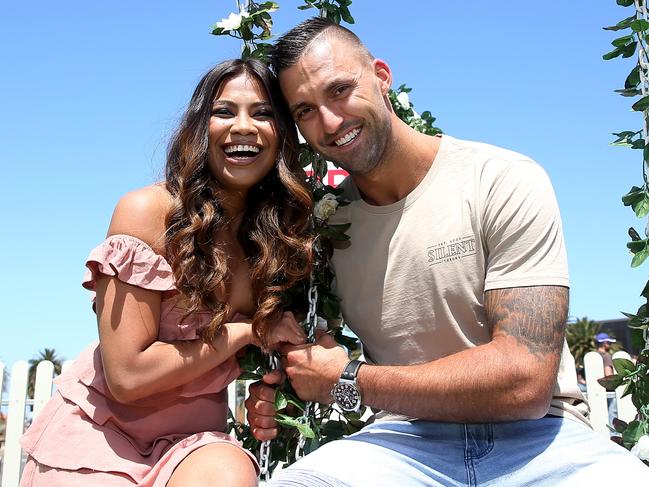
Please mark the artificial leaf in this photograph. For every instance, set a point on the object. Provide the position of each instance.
(641, 104)
(612, 54)
(635, 237)
(623, 41)
(633, 79)
(622, 24)
(250, 376)
(632, 433)
(297, 423)
(629, 92)
(611, 382)
(635, 194)
(629, 50)
(280, 400)
(619, 425)
(346, 16)
(640, 257)
(639, 25)
(623, 366)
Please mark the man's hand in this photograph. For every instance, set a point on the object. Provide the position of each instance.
(313, 369)
(260, 406)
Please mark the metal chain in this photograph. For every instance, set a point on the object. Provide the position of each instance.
(310, 324)
(264, 450)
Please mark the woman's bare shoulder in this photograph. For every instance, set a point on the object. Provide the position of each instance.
(141, 214)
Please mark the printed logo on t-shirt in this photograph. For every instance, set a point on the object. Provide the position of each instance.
(454, 249)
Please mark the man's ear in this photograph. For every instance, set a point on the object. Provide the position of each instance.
(384, 75)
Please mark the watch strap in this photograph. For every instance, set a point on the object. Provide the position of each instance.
(351, 370)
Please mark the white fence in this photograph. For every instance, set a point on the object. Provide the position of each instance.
(18, 403)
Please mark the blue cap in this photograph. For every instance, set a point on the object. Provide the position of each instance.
(604, 337)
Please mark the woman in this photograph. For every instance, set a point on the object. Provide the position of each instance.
(183, 265)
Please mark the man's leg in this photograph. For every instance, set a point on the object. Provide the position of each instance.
(389, 453)
(547, 452)
(555, 452)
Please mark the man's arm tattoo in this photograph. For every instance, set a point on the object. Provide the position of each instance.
(535, 316)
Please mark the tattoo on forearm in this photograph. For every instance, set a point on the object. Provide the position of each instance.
(535, 316)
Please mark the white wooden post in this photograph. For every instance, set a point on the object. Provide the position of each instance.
(11, 463)
(43, 385)
(594, 366)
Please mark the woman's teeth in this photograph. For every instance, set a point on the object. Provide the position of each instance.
(241, 148)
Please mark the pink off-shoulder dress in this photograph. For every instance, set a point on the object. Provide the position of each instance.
(83, 437)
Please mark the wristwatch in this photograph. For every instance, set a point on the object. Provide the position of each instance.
(346, 392)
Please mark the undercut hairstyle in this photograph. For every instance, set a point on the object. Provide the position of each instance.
(291, 46)
(273, 232)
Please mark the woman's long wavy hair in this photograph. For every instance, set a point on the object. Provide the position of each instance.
(273, 232)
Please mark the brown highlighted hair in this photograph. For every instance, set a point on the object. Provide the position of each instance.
(273, 232)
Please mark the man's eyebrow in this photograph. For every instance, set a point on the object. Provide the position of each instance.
(330, 86)
(296, 106)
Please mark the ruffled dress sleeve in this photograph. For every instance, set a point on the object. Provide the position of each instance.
(130, 260)
(84, 427)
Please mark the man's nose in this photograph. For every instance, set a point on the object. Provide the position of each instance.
(331, 120)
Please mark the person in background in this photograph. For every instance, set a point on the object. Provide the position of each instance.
(603, 341)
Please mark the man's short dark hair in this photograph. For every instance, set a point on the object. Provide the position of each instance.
(292, 45)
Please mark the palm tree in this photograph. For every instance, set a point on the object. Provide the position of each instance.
(45, 354)
(580, 336)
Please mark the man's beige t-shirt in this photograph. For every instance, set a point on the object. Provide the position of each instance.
(413, 276)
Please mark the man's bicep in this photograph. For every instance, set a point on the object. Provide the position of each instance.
(534, 316)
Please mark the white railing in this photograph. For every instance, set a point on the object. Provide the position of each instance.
(597, 395)
(17, 404)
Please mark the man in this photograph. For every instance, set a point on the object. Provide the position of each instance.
(455, 280)
(604, 341)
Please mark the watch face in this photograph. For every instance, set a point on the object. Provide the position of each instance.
(346, 396)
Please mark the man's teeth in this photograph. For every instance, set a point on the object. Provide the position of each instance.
(241, 148)
(348, 137)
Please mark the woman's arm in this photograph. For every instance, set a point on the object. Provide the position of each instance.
(136, 363)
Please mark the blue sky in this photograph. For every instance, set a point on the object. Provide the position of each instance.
(91, 91)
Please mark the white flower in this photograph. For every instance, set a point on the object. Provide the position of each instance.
(233, 22)
(326, 206)
(415, 114)
(403, 100)
(641, 448)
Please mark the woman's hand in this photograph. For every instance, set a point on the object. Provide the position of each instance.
(286, 330)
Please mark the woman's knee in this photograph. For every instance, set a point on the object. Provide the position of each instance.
(215, 464)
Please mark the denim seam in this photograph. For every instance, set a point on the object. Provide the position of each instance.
(468, 460)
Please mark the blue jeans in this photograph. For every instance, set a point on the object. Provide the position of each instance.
(550, 451)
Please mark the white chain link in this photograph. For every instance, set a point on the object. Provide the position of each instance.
(264, 450)
(310, 324)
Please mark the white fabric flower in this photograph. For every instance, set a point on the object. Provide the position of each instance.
(403, 100)
(415, 114)
(325, 207)
(233, 22)
(641, 448)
